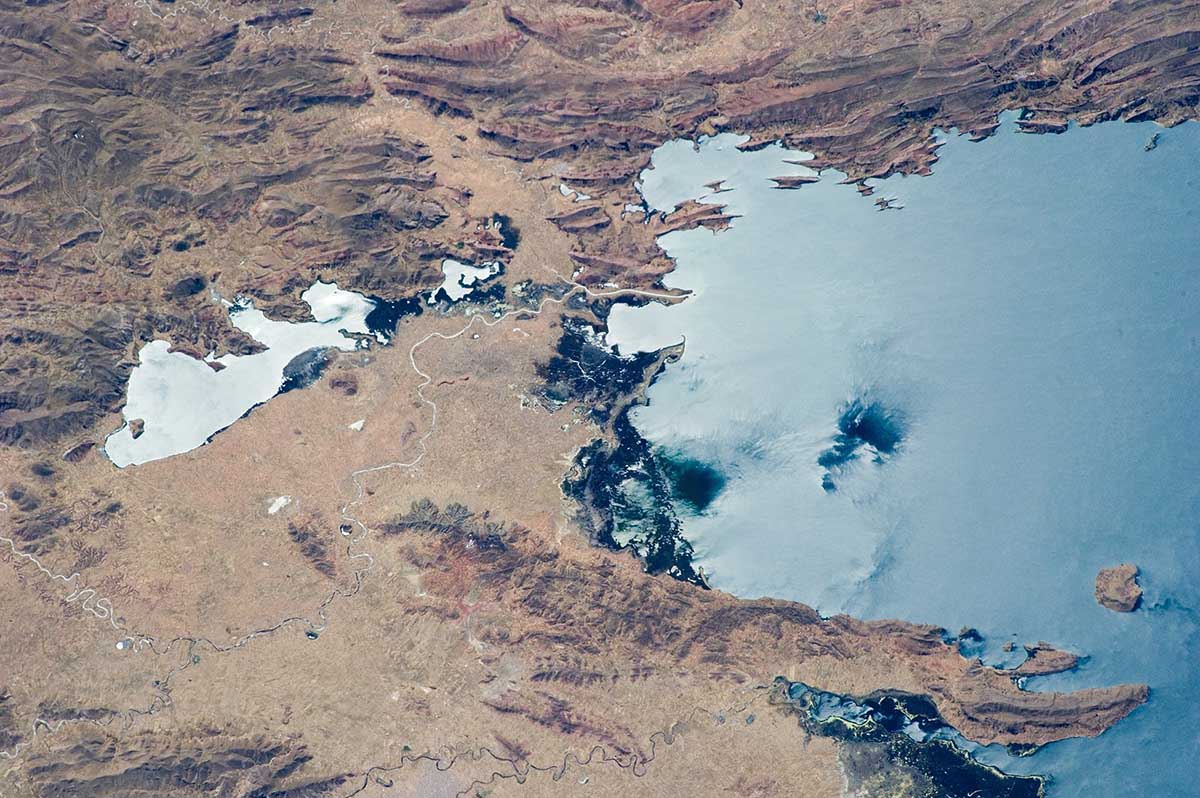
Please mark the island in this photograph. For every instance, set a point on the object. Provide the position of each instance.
(1117, 588)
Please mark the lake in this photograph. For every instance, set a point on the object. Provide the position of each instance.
(958, 410)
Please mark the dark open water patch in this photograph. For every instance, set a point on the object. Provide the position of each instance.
(970, 642)
(865, 428)
(382, 320)
(602, 306)
(532, 295)
(304, 369)
(694, 483)
(388, 313)
(188, 286)
(899, 742)
(510, 236)
(493, 294)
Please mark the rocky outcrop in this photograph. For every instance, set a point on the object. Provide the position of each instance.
(308, 533)
(1117, 588)
(10, 736)
(691, 214)
(793, 181)
(472, 51)
(589, 218)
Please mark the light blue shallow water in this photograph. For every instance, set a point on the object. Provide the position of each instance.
(1032, 317)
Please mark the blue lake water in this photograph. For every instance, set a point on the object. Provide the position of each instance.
(1025, 333)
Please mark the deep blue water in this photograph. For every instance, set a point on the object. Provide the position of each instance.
(959, 411)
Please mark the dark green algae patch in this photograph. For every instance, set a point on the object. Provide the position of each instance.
(898, 744)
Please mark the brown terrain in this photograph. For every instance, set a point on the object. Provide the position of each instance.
(1044, 658)
(428, 616)
(1117, 588)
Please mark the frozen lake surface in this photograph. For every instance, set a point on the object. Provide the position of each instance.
(183, 402)
(956, 412)
(463, 278)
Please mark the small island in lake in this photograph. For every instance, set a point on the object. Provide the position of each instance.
(1117, 588)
